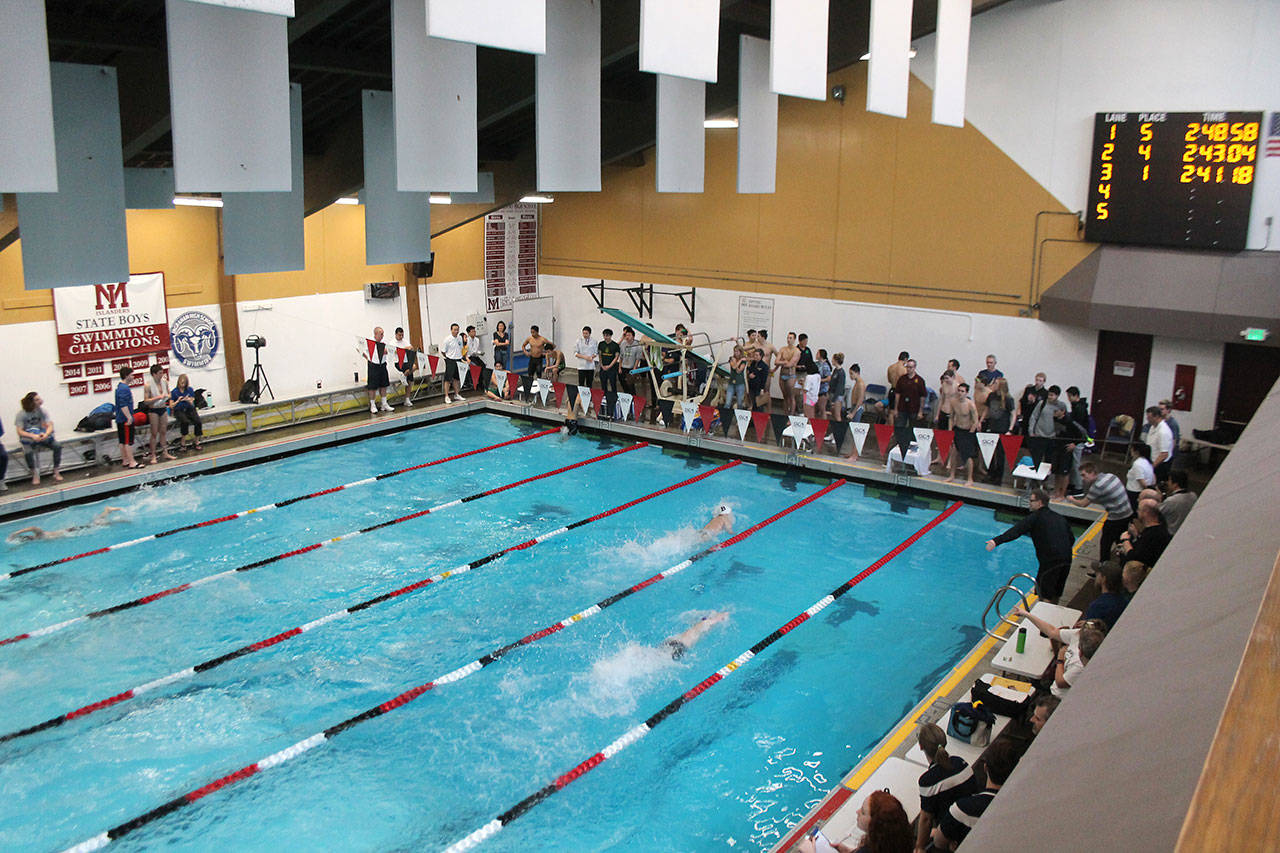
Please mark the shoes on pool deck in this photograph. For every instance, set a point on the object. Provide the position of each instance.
(373, 408)
(408, 404)
(387, 407)
(457, 398)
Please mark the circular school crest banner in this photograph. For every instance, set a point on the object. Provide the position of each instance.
(195, 338)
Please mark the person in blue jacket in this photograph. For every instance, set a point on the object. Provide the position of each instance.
(124, 419)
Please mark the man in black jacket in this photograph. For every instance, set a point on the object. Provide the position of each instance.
(1052, 538)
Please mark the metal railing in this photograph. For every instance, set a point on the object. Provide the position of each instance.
(998, 598)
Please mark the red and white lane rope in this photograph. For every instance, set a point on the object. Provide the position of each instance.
(165, 593)
(494, 826)
(284, 636)
(307, 744)
(278, 504)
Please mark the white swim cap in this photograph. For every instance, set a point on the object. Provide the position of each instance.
(723, 509)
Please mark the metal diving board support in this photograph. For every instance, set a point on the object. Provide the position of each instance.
(650, 332)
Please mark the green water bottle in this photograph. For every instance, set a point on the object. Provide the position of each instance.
(1022, 640)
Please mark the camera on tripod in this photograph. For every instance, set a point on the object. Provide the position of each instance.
(251, 390)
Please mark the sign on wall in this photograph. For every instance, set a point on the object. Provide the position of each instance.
(754, 312)
(510, 255)
(195, 338)
(113, 320)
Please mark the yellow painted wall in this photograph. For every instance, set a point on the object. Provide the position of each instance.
(868, 207)
(184, 243)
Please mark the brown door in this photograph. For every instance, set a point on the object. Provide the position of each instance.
(1120, 377)
(1248, 372)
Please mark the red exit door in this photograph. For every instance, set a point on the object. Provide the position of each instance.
(1120, 377)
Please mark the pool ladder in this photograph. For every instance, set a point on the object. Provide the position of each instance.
(998, 597)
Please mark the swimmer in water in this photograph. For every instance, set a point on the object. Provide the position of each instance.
(688, 638)
(31, 534)
(720, 523)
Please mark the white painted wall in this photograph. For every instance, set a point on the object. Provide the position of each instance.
(35, 346)
(1040, 69)
(872, 335)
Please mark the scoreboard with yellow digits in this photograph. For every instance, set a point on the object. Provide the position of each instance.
(1172, 179)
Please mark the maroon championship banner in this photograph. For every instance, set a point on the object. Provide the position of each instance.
(100, 385)
(72, 371)
(95, 368)
(112, 320)
(75, 389)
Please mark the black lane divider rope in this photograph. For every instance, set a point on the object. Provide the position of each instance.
(494, 826)
(165, 593)
(276, 759)
(283, 636)
(278, 504)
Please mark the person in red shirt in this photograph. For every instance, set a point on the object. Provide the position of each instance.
(909, 394)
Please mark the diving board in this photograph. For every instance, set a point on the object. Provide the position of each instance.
(650, 332)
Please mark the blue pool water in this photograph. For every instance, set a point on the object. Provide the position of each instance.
(731, 769)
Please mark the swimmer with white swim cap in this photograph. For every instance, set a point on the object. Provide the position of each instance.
(721, 522)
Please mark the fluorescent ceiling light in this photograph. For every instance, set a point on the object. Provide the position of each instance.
(441, 198)
(346, 199)
(197, 201)
(537, 199)
(713, 123)
(911, 54)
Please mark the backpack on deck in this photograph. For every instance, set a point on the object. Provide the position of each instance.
(100, 418)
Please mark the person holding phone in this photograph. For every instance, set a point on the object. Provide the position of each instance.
(884, 825)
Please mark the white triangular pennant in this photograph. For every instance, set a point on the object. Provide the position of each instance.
(584, 398)
(624, 406)
(924, 437)
(500, 379)
(744, 421)
(544, 388)
(987, 443)
(798, 423)
(690, 411)
(859, 432)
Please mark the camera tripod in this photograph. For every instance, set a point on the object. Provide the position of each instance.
(259, 377)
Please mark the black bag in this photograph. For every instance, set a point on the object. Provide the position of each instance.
(201, 402)
(249, 391)
(94, 422)
(971, 723)
(1001, 700)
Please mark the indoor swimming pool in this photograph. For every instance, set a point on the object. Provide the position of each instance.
(423, 659)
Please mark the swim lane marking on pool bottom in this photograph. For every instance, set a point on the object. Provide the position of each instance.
(165, 593)
(494, 826)
(278, 504)
(258, 646)
(274, 760)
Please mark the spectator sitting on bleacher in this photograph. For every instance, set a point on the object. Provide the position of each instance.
(884, 825)
(1177, 504)
(35, 430)
(964, 813)
(1041, 711)
(1152, 536)
(1079, 647)
(1111, 603)
(1067, 662)
(948, 779)
(1134, 574)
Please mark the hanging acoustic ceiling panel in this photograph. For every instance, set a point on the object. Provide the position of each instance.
(757, 119)
(262, 232)
(77, 235)
(952, 69)
(434, 84)
(680, 38)
(568, 98)
(482, 195)
(271, 7)
(229, 96)
(519, 25)
(148, 189)
(887, 76)
(397, 225)
(798, 48)
(682, 107)
(27, 162)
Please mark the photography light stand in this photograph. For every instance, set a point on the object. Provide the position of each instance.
(259, 375)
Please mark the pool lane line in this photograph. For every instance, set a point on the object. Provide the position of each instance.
(494, 826)
(165, 593)
(274, 760)
(283, 636)
(278, 504)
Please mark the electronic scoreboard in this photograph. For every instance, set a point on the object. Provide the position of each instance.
(1173, 179)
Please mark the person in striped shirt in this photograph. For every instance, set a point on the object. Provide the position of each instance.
(1108, 492)
(963, 815)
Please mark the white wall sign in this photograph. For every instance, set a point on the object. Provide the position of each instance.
(100, 321)
(510, 255)
(754, 312)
